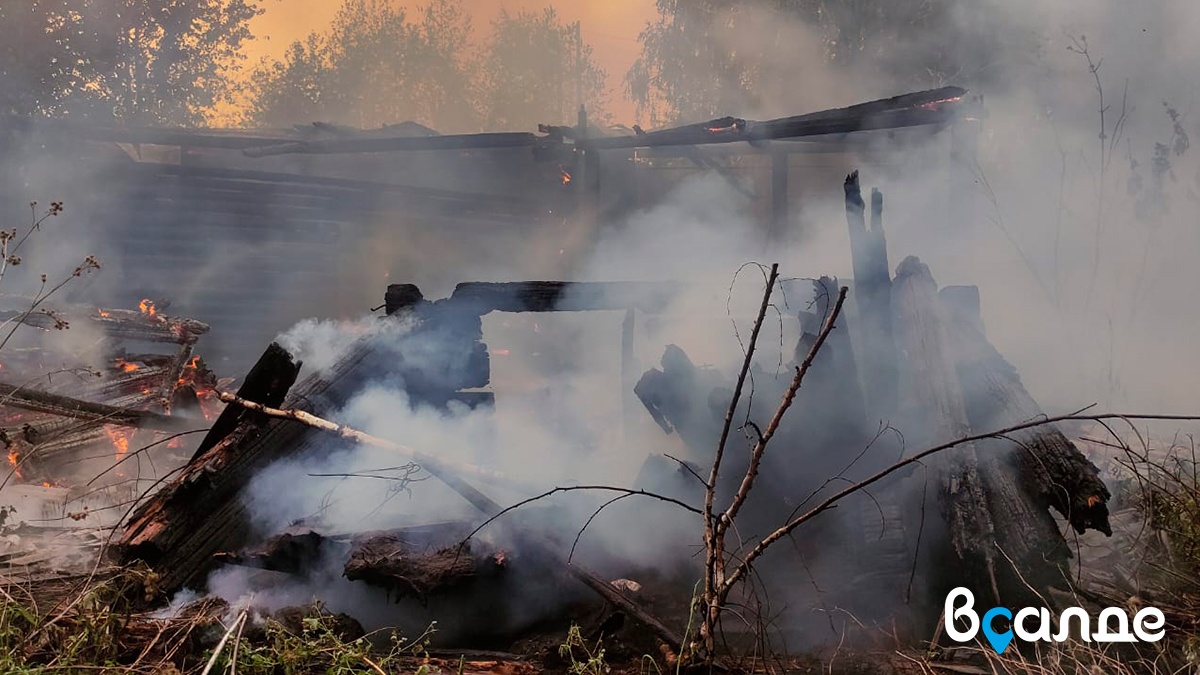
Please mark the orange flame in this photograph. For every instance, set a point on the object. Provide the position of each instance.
(127, 366)
(103, 314)
(119, 438)
(566, 175)
(147, 307)
(14, 458)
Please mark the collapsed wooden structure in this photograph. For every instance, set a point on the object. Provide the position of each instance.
(997, 495)
(224, 210)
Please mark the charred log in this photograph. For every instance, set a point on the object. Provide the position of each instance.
(1049, 465)
(388, 562)
(996, 527)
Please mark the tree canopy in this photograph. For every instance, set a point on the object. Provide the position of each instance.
(702, 58)
(380, 64)
(141, 61)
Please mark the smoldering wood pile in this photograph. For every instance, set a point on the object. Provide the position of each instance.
(911, 353)
(921, 361)
(89, 399)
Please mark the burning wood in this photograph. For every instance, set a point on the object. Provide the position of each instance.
(51, 422)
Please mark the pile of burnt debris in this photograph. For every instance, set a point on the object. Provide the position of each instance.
(909, 352)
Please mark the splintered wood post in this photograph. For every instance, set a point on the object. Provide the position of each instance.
(934, 403)
(995, 518)
(872, 292)
(1051, 469)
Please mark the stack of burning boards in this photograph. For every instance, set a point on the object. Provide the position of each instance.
(82, 392)
(909, 353)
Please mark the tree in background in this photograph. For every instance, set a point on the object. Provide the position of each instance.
(537, 69)
(375, 66)
(137, 61)
(706, 58)
(378, 64)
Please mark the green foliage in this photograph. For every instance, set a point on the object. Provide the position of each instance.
(582, 659)
(318, 648)
(381, 64)
(533, 68)
(140, 61)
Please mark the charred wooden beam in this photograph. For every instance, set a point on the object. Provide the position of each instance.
(56, 404)
(297, 552)
(563, 296)
(197, 514)
(268, 383)
(121, 324)
(934, 107)
(400, 143)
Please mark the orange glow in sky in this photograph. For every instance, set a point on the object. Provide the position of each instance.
(611, 27)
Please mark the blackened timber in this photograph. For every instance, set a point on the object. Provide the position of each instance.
(120, 324)
(39, 401)
(872, 294)
(395, 143)
(267, 382)
(391, 563)
(995, 525)
(564, 296)
(933, 107)
(1051, 468)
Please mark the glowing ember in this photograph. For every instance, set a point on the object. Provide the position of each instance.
(14, 458)
(147, 308)
(204, 384)
(119, 437)
(127, 367)
(103, 314)
(566, 175)
(936, 105)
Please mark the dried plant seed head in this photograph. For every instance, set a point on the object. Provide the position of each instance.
(14, 260)
(43, 277)
(56, 208)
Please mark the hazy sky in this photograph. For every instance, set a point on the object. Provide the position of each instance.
(610, 26)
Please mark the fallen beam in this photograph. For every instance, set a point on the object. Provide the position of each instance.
(564, 296)
(56, 404)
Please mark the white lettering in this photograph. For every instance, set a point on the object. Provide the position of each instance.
(1150, 631)
(1121, 634)
(1064, 625)
(1043, 630)
(965, 612)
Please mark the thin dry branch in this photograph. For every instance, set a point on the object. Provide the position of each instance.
(713, 533)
